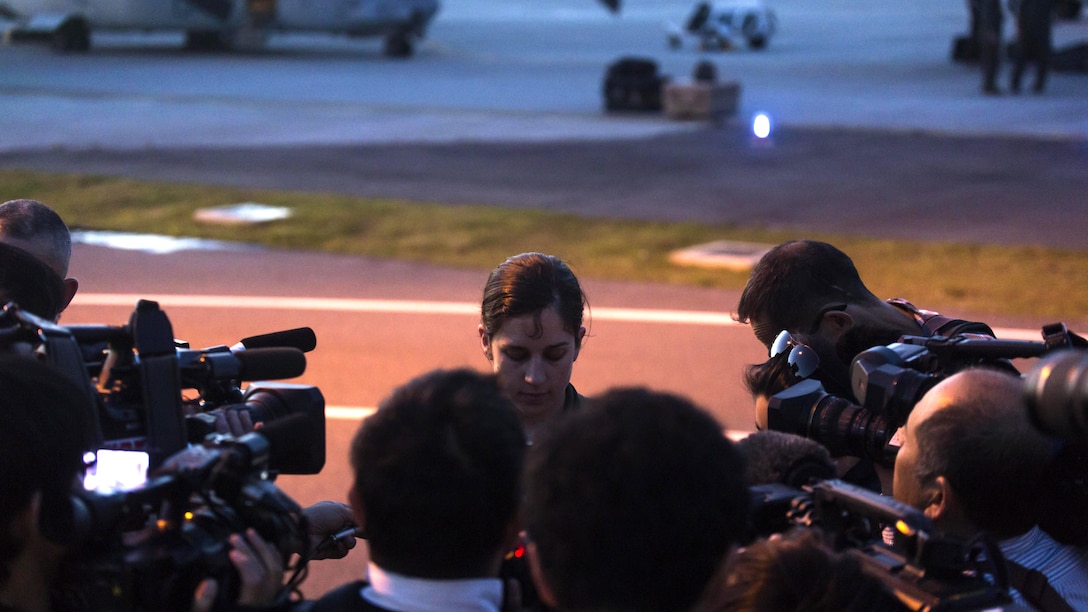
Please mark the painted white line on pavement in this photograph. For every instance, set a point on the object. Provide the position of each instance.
(348, 413)
(632, 315)
(357, 413)
(638, 315)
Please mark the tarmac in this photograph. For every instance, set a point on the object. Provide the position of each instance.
(877, 132)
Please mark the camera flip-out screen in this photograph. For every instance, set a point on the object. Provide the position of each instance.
(116, 470)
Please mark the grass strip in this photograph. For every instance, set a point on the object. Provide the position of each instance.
(958, 278)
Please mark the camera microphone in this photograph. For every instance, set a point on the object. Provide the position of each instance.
(301, 338)
(271, 363)
(244, 365)
(775, 457)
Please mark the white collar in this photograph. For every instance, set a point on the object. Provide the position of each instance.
(398, 592)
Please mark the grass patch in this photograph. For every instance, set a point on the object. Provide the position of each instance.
(956, 278)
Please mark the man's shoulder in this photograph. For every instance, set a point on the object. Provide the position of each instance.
(346, 598)
(1065, 566)
(936, 324)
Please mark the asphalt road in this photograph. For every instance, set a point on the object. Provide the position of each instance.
(919, 185)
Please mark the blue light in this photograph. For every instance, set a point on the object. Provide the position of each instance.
(761, 125)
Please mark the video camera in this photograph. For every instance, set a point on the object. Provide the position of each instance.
(888, 381)
(136, 376)
(164, 492)
(925, 569)
(150, 547)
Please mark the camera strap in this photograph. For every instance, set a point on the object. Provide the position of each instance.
(1034, 586)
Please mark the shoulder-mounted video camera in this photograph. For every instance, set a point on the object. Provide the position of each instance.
(925, 569)
(888, 381)
(164, 492)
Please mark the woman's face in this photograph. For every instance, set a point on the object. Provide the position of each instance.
(533, 364)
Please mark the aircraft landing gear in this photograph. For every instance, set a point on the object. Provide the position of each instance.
(73, 36)
(205, 40)
(399, 45)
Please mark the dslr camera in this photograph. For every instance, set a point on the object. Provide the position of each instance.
(163, 492)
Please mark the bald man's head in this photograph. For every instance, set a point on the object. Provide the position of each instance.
(971, 433)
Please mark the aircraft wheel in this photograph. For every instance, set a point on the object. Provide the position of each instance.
(204, 40)
(713, 43)
(74, 35)
(757, 42)
(398, 45)
(1069, 9)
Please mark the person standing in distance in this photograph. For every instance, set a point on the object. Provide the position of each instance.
(531, 332)
(1033, 33)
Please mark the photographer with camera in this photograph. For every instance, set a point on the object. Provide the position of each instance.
(972, 461)
(436, 492)
(46, 427)
(813, 288)
(799, 570)
(633, 503)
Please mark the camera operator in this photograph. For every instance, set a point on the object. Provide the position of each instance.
(971, 460)
(633, 503)
(799, 570)
(436, 491)
(45, 429)
(35, 248)
(813, 288)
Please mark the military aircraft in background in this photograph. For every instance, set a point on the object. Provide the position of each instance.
(720, 24)
(224, 24)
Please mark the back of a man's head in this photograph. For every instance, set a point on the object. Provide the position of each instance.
(35, 248)
(39, 230)
(976, 433)
(45, 425)
(633, 503)
(799, 570)
(437, 472)
(31, 284)
(792, 282)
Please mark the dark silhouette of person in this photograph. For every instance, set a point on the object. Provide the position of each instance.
(1034, 39)
(990, 20)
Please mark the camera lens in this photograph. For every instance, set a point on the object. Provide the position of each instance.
(1056, 394)
(843, 427)
(848, 429)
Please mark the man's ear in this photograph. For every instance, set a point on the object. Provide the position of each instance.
(543, 589)
(940, 499)
(485, 343)
(357, 510)
(71, 285)
(26, 521)
(835, 323)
